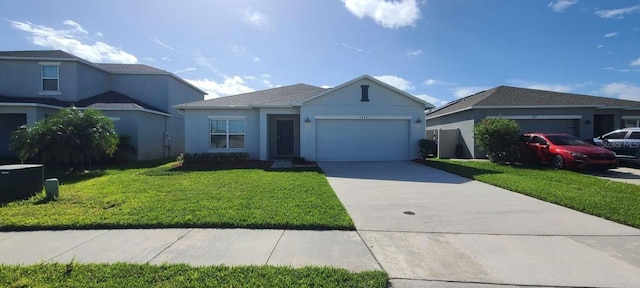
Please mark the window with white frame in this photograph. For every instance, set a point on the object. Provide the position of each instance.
(226, 133)
(630, 123)
(50, 78)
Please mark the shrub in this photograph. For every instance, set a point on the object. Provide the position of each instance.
(68, 137)
(428, 148)
(213, 158)
(297, 160)
(498, 138)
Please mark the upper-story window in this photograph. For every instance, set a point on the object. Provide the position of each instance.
(50, 73)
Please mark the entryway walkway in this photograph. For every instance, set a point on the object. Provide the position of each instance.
(430, 228)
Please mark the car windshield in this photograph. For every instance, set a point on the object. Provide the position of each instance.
(566, 140)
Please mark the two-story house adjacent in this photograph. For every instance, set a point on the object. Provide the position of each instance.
(138, 98)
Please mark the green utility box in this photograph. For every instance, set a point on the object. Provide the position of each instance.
(20, 181)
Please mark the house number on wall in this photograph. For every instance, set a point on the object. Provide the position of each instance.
(364, 117)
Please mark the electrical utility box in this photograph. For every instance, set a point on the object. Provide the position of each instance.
(20, 181)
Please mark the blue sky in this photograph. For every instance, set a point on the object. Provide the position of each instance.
(438, 50)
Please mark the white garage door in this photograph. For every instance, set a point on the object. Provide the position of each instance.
(569, 126)
(362, 140)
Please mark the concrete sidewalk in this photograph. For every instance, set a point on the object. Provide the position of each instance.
(430, 228)
(343, 249)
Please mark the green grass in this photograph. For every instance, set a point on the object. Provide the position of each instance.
(619, 202)
(158, 195)
(144, 275)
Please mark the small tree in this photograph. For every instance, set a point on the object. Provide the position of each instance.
(70, 136)
(498, 138)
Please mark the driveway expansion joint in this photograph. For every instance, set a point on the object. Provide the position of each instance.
(274, 247)
(74, 247)
(370, 251)
(169, 246)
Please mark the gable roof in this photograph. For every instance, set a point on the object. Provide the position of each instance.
(286, 96)
(372, 79)
(515, 97)
(110, 100)
(281, 96)
(60, 55)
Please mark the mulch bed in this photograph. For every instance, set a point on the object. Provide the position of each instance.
(250, 164)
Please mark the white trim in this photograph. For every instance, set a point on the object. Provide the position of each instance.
(31, 105)
(361, 117)
(222, 117)
(49, 63)
(630, 117)
(536, 106)
(212, 107)
(372, 79)
(126, 109)
(535, 117)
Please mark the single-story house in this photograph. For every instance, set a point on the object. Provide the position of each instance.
(583, 116)
(361, 120)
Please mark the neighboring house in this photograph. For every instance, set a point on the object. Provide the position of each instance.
(535, 111)
(138, 98)
(361, 120)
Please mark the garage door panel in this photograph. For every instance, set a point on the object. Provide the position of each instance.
(362, 140)
(569, 126)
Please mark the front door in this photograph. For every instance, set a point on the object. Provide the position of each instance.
(284, 133)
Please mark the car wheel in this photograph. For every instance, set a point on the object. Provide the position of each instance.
(557, 162)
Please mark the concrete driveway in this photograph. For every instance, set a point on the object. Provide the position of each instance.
(627, 174)
(429, 228)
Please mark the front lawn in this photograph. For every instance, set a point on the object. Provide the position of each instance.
(619, 202)
(164, 196)
(144, 275)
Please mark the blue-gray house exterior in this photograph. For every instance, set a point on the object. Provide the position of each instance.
(138, 98)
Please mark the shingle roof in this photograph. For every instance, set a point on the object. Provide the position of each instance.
(112, 99)
(54, 54)
(107, 100)
(513, 96)
(281, 96)
(130, 68)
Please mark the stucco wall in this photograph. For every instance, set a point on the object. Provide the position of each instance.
(346, 102)
(464, 121)
(150, 89)
(20, 78)
(197, 136)
(179, 93)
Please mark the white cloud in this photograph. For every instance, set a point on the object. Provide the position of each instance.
(230, 86)
(265, 75)
(150, 59)
(600, 46)
(388, 14)
(351, 47)
(205, 62)
(326, 86)
(635, 62)
(249, 77)
(76, 27)
(71, 41)
(395, 81)
(157, 41)
(256, 59)
(460, 92)
(185, 70)
(98, 34)
(621, 90)
(257, 19)
(617, 13)
(166, 59)
(617, 70)
(561, 5)
(237, 49)
(612, 34)
(415, 52)
(435, 101)
(430, 82)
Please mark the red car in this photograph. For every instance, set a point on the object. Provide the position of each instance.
(564, 151)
